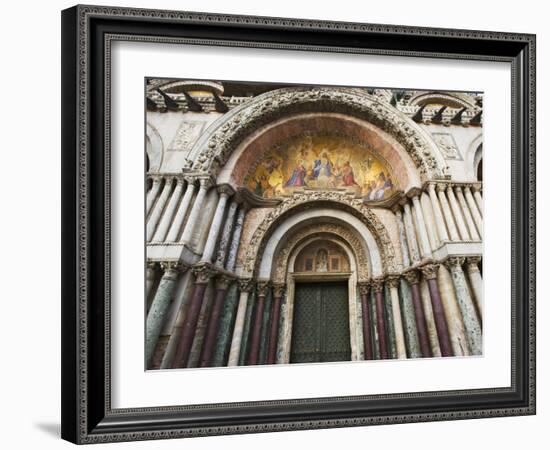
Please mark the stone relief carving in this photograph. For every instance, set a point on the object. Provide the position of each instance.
(447, 145)
(185, 137)
(320, 231)
(212, 152)
(310, 199)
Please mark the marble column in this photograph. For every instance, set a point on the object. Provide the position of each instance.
(168, 215)
(159, 208)
(429, 218)
(378, 287)
(476, 282)
(202, 273)
(421, 327)
(152, 194)
(236, 239)
(226, 235)
(225, 331)
(183, 207)
(429, 271)
(212, 326)
(479, 200)
(409, 320)
(367, 326)
(438, 215)
(457, 333)
(473, 209)
(196, 210)
(402, 237)
(467, 215)
(457, 213)
(278, 292)
(257, 323)
(453, 232)
(149, 277)
(245, 286)
(467, 308)
(393, 282)
(425, 249)
(411, 235)
(159, 307)
(225, 191)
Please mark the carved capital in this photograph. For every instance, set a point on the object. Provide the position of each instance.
(245, 284)
(152, 265)
(441, 187)
(223, 281)
(476, 187)
(262, 287)
(364, 287)
(472, 263)
(377, 285)
(454, 263)
(205, 182)
(412, 276)
(203, 272)
(226, 189)
(279, 290)
(429, 271)
(392, 280)
(172, 269)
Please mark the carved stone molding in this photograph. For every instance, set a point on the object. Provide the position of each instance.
(308, 200)
(412, 276)
(212, 150)
(429, 271)
(326, 230)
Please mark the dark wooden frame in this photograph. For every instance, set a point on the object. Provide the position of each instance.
(87, 32)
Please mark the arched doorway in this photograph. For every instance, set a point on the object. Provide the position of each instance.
(321, 307)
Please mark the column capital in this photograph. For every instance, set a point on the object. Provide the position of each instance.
(392, 280)
(414, 192)
(203, 272)
(205, 181)
(458, 188)
(455, 262)
(245, 284)
(429, 271)
(412, 276)
(477, 187)
(156, 177)
(152, 265)
(262, 287)
(179, 179)
(226, 189)
(472, 263)
(364, 287)
(172, 268)
(223, 281)
(377, 284)
(441, 187)
(431, 186)
(279, 289)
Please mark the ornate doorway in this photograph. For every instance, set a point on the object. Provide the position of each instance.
(321, 323)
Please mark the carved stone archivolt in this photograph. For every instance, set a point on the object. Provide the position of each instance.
(323, 231)
(311, 199)
(214, 147)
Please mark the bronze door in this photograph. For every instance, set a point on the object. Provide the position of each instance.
(320, 324)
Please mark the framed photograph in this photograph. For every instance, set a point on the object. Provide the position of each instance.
(281, 224)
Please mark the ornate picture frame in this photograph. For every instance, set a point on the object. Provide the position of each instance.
(88, 33)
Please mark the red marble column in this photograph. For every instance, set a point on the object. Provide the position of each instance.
(222, 283)
(430, 274)
(421, 328)
(181, 357)
(278, 291)
(378, 287)
(257, 324)
(367, 326)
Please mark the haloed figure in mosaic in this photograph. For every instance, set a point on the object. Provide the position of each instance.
(311, 224)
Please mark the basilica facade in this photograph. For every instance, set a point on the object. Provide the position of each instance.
(299, 224)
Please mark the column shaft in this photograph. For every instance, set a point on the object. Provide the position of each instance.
(411, 235)
(402, 238)
(474, 210)
(367, 327)
(196, 210)
(476, 282)
(158, 209)
(479, 201)
(235, 240)
(409, 320)
(226, 235)
(467, 215)
(166, 220)
(421, 327)
(274, 325)
(457, 213)
(453, 232)
(438, 215)
(152, 194)
(234, 352)
(397, 322)
(215, 226)
(257, 327)
(213, 323)
(182, 211)
(380, 321)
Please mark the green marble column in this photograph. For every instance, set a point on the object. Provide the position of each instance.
(246, 328)
(159, 307)
(466, 304)
(265, 327)
(409, 321)
(390, 325)
(375, 344)
(223, 341)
